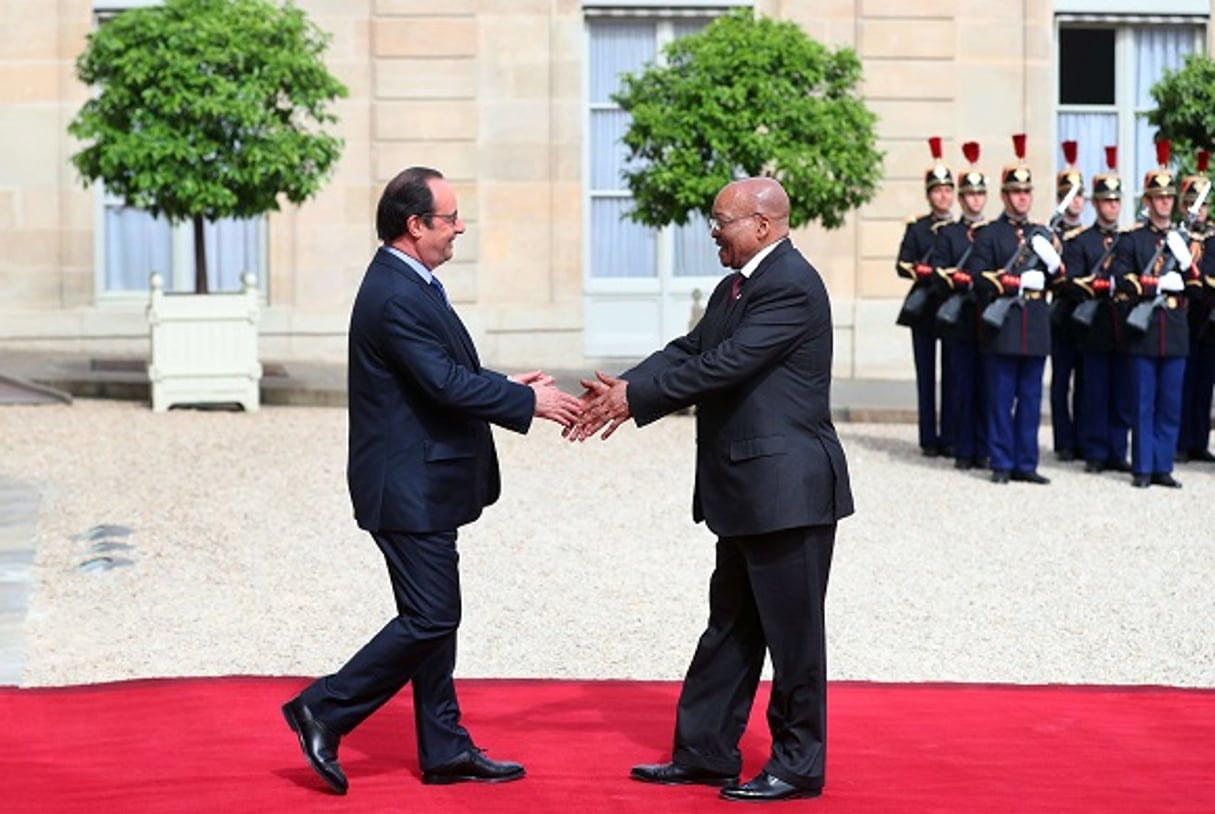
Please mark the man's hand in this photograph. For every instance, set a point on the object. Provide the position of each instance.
(604, 403)
(554, 404)
(531, 377)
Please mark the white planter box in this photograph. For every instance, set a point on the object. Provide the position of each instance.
(204, 347)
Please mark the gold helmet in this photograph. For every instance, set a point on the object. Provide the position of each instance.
(1017, 176)
(1162, 181)
(1069, 176)
(972, 180)
(938, 174)
(1107, 185)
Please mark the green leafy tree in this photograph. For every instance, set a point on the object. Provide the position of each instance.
(207, 109)
(1185, 109)
(749, 96)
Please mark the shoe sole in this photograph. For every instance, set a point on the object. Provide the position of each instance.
(708, 781)
(467, 778)
(295, 727)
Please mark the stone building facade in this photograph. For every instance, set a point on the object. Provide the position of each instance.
(507, 98)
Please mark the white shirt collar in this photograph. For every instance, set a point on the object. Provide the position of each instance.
(413, 263)
(754, 262)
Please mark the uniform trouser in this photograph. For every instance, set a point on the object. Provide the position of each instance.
(766, 593)
(1195, 433)
(1156, 388)
(1015, 398)
(1106, 418)
(969, 392)
(924, 351)
(419, 645)
(1066, 386)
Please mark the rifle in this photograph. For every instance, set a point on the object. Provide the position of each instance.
(917, 299)
(1141, 315)
(997, 310)
(1086, 311)
(951, 309)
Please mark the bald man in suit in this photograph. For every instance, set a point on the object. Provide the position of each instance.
(771, 483)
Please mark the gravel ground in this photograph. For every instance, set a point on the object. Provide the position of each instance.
(246, 559)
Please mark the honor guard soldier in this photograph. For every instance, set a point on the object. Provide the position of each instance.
(1194, 436)
(1103, 421)
(928, 290)
(1149, 264)
(1012, 261)
(1065, 375)
(958, 319)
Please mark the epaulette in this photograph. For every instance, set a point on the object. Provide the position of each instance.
(913, 218)
(979, 224)
(1071, 233)
(1136, 225)
(937, 224)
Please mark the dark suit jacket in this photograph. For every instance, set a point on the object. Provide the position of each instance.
(421, 455)
(767, 455)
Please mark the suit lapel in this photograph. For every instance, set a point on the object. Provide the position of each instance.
(455, 327)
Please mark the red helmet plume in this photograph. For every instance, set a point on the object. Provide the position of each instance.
(1069, 152)
(1163, 150)
(1111, 157)
(1019, 145)
(971, 150)
(1204, 161)
(934, 144)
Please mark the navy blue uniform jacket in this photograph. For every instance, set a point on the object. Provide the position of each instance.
(421, 455)
(767, 454)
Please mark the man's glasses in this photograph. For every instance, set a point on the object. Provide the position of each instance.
(717, 224)
(450, 217)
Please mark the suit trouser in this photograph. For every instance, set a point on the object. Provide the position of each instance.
(766, 593)
(1156, 383)
(969, 392)
(1195, 433)
(1066, 392)
(1014, 411)
(419, 645)
(924, 352)
(1105, 421)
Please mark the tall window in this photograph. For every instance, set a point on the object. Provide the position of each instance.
(621, 248)
(131, 244)
(1107, 67)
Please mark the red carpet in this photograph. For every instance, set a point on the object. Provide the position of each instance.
(220, 745)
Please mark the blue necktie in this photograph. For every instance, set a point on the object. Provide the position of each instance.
(442, 292)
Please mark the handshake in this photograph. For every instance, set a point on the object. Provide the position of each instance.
(602, 404)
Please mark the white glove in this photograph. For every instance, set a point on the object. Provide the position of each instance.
(1177, 245)
(1046, 250)
(1171, 283)
(1033, 280)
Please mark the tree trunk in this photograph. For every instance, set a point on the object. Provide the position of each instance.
(200, 257)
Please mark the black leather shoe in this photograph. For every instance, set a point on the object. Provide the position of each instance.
(999, 476)
(1117, 465)
(929, 452)
(1094, 467)
(1065, 455)
(1204, 455)
(1030, 477)
(766, 788)
(1141, 481)
(964, 463)
(676, 774)
(318, 742)
(1165, 479)
(472, 765)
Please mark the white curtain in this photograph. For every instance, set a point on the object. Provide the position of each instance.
(619, 247)
(695, 251)
(1092, 132)
(1157, 49)
(137, 244)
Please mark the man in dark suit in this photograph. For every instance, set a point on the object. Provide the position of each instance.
(421, 464)
(771, 482)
